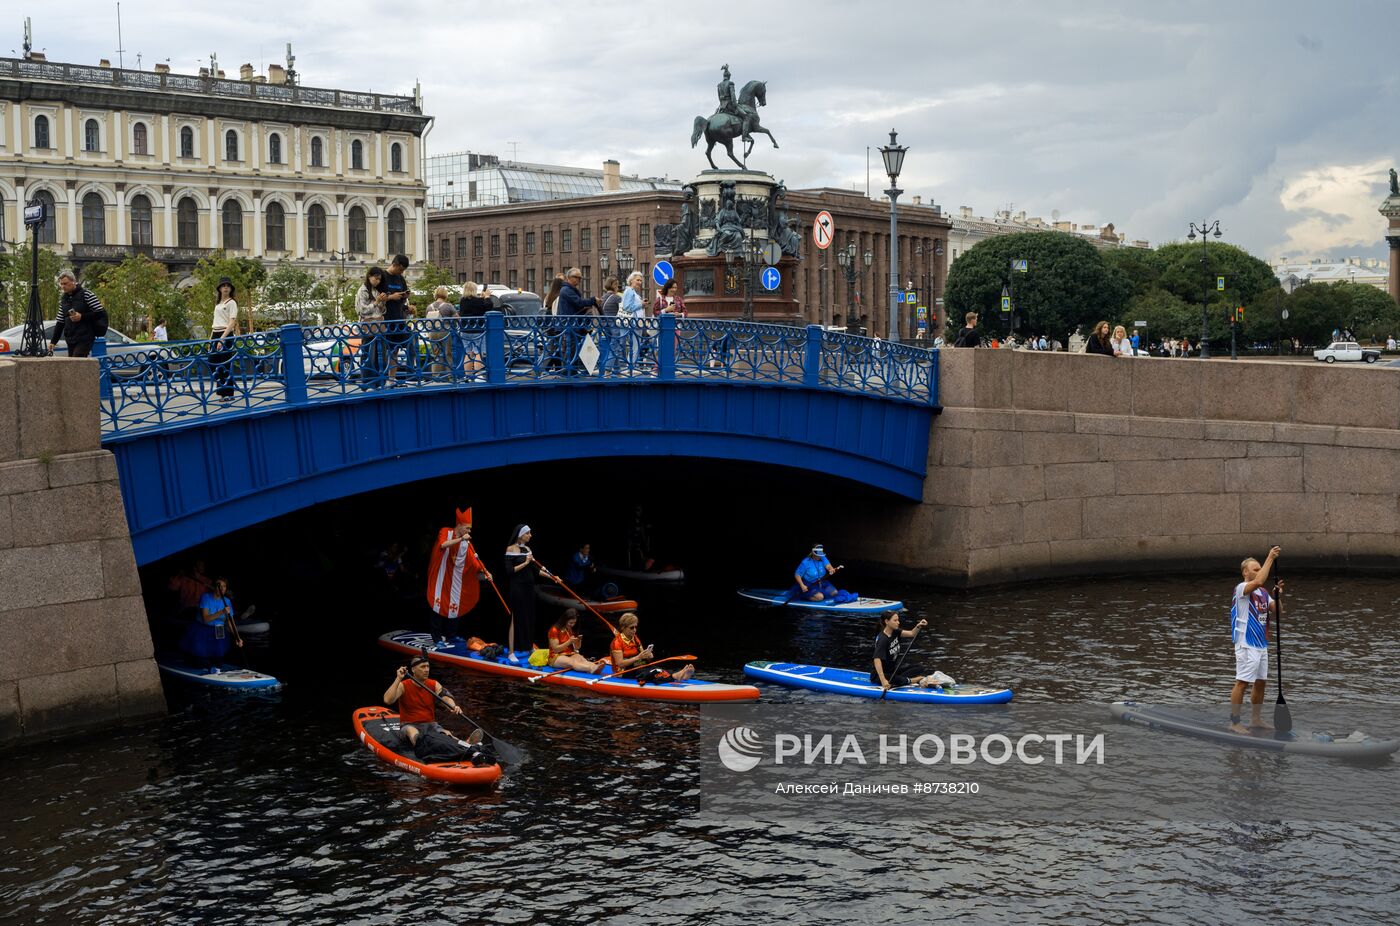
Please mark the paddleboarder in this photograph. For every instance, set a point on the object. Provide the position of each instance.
(1249, 615)
(628, 651)
(206, 640)
(812, 578)
(412, 694)
(454, 578)
(523, 572)
(889, 643)
(565, 645)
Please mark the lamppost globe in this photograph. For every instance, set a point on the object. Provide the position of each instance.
(869, 258)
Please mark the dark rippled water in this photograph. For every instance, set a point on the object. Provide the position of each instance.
(266, 810)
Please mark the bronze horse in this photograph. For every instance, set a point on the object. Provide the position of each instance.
(724, 128)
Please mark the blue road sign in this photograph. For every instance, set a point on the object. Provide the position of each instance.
(771, 278)
(662, 272)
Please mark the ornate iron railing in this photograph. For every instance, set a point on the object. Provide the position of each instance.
(183, 382)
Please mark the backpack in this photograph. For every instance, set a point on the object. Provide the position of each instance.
(437, 745)
(653, 676)
(492, 651)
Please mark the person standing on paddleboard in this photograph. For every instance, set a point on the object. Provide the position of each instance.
(889, 643)
(206, 641)
(1249, 631)
(523, 572)
(454, 579)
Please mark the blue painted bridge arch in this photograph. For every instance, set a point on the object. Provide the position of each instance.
(193, 467)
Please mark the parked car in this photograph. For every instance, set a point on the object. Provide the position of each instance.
(117, 343)
(1346, 351)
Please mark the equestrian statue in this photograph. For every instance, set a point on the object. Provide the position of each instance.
(733, 119)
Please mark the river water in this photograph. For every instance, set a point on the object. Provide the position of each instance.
(266, 810)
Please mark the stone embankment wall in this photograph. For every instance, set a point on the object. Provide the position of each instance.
(75, 647)
(1069, 464)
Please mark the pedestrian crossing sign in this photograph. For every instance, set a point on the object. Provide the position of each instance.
(1006, 303)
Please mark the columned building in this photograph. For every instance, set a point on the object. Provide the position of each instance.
(178, 166)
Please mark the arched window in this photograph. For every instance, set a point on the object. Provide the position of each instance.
(142, 222)
(359, 240)
(276, 220)
(396, 157)
(186, 142)
(187, 223)
(396, 239)
(357, 155)
(316, 228)
(139, 142)
(316, 152)
(92, 136)
(233, 224)
(41, 132)
(230, 145)
(47, 231)
(94, 219)
(274, 148)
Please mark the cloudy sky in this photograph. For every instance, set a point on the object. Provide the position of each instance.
(1278, 118)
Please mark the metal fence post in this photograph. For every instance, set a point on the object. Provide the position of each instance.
(104, 368)
(293, 363)
(812, 359)
(666, 348)
(495, 347)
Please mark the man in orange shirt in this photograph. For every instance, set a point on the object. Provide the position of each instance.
(414, 698)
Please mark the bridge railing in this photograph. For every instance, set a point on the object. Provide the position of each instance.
(178, 383)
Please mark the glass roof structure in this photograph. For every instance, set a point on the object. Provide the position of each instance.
(464, 180)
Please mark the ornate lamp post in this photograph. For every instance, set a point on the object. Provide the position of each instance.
(929, 276)
(893, 154)
(33, 343)
(850, 262)
(1206, 230)
(603, 266)
(625, 262)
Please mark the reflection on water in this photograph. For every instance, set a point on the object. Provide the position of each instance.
(240, 810)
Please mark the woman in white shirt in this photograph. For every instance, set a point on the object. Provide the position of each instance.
(633, 312)
(221, 333)
(1122, 344)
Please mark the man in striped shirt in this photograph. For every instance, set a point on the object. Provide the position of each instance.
(81, 317)
(1249, 631)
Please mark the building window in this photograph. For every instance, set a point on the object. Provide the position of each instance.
(187, 223)
(644, 235)
(230, 145)
(396, 157)
(317, 151)
(41, 132)
(495, 245)
(462, 248)
(274, 148)
(549, 274)
(587, 278)
(143, 229)
(585, 239)
(94, 220)
(359, 233)
(604, 233)
(624, 236)
(529, 242)
(397, 244)
(92, 136)
(48, 232)
(566, 240)
(476, 247)
(430, 250)
(276, 222)
(357, 155)
(233, 224)
(512, 244)
(480, 278)
(645, 270)
(514, 281)
(530, 279)
(549, 242)
(316, 228)
(186, 142)
(139, 141)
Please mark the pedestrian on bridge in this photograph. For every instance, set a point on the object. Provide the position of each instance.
(81, 318)
(221, 334)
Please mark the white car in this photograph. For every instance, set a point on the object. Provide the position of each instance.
(1346, 351)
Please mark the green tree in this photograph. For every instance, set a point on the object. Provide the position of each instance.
(1318, 309)
(1247, 280)
(287, 294)
(430, 277)
(1167, 316)
(1138, 267)
(15, 271)
(1067, 286)
(137, 292)
(246, 274)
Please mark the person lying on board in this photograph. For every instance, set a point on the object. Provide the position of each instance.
(889, 643)
(565, 645)
(628, 652)
(1249, 631)
(813, 583)
(411, 694)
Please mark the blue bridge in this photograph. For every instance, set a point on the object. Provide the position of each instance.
(211, 437)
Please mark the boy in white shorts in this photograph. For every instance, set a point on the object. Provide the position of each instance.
(1249, 631)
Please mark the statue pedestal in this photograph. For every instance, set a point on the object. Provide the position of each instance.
(1391, 210)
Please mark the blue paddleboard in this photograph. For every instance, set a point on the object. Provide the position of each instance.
(858, 684)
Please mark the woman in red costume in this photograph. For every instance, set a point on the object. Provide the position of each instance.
(454, 579)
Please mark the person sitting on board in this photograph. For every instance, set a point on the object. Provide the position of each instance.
(628, 652)
(581, 569)
(454, 579)
(565, 645)
(812, 581)
(1249, 631)
(411, 694)
(889, 642)
(206, 640)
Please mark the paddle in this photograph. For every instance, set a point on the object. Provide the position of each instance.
(1283, 717)
(787, 599)
(902, 656)
(237, 639)
(575, 594)
(506, 752)
(594, 681)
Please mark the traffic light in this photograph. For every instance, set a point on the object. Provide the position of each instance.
(1239, 315)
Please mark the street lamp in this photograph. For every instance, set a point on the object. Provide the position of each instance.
(34, 343)
(1206, 230)
(893, 154)
(625, 262)
(850, 263)
(603, 265)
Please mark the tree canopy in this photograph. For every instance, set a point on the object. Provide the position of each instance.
(137, 293)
